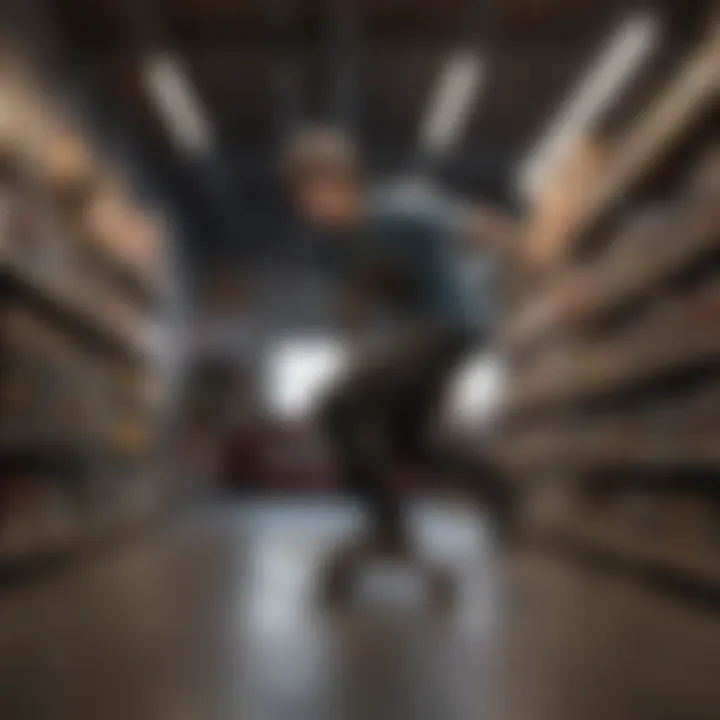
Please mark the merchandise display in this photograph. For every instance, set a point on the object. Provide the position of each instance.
(82, 291)
(614, 380)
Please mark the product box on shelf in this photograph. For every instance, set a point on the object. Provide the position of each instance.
(705, 179)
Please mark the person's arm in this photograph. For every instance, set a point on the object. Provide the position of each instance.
(493, 230)
(336, 268)
(354, 305)
(478, 227)
(364, 287)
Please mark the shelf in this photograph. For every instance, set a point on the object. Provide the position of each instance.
(129, 278)
(660, 560)
(28, 543)
(612, 287)
(690, 94)
(616, 367)
(614, 360)
(622, 448)
(74, 316)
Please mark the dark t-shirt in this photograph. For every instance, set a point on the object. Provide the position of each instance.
(411, 251)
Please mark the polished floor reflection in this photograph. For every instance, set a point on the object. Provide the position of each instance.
(214, 618)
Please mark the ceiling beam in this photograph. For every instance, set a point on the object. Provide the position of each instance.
(204, 36)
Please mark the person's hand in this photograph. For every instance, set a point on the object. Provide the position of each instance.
(493, 229)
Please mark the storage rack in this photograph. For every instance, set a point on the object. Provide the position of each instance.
(612, 419)
(82, 342)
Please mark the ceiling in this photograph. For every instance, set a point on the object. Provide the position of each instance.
(261, 67)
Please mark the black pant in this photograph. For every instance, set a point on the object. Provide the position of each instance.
(383, 412)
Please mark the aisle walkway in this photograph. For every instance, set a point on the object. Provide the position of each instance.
(213, 619)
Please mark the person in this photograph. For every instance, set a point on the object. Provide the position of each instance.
(395, 259)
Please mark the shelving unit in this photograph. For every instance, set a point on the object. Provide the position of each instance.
(691, 566)
(83, 299)
(614, 381)
(76, 316)
(691, 95)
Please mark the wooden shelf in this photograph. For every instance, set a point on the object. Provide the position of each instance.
(85, 298)
(614, 360)
(657, 557)
(615, 368)
(696, 229)
(41, 541)
(72, 314)
(623, 447)
(135, 284)
(690, 94)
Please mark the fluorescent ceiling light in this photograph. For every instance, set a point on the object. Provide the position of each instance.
(177, 104)
(451, 102)
(615, 66)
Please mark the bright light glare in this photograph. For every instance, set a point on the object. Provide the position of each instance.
(174, 99)
(476, 390)
(615, 66)
(451, 102)
(299, 371)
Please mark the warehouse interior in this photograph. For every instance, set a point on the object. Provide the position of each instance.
(167, 501)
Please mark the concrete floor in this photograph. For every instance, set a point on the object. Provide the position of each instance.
(213, 618)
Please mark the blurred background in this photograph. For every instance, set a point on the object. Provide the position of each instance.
(165, 499)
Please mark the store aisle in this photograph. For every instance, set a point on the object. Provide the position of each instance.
(212, 618)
